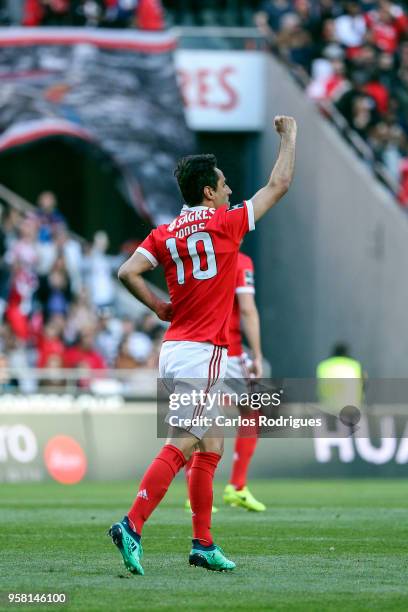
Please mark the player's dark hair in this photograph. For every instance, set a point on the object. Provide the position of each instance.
(193, 173)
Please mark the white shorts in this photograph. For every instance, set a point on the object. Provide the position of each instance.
(237, 377)
(186, 367)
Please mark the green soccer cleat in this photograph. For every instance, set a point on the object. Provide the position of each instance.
(129, 546)
(210, 557)
(187, 507)
(242, 498)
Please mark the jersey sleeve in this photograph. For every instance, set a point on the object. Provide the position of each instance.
(148, 248)
(239, 219)
(245, 282)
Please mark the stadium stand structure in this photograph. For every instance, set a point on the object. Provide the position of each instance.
(351, 57)
(333, 255)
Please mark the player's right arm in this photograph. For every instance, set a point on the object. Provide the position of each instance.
(283, 170)
(130, 274)
(251, 327)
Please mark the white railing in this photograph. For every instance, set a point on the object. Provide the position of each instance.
(134, 383)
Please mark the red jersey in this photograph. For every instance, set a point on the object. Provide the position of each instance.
(199, 252)
(386, 36)
(244, 283)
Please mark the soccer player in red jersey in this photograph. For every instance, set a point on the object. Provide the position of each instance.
(240, 370)
(199, 251)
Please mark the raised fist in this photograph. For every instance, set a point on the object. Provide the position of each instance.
(285, 125)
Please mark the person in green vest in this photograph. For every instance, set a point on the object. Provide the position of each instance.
(340, 380)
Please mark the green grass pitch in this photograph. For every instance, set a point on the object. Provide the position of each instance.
(321, 545)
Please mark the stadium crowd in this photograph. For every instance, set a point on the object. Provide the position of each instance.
(356, 55)
(144, 14)
(353, 53)
(58, 305)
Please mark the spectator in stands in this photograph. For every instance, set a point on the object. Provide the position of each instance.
(55, 380)
(120, 13)
(328, 76)
(98, 269)
(388, 143)
(401, 95)
(10, 222)
(50, 344)
(70, 250)
(84, 353)
(137, 351)
(81, 316)
(329, 10)
(140, 347)
(23, 257)
(19, 360)
(145, 14)
(48, 215)
(23, 252)
(350, 28)
(47, 12)
(124, 360)
(396, 150)
(108, 336)
(327, 38)
(378, 138)
(386, 66)
(386, 24)
(59, 322)
(358, 59)
(268, 19)
(363, 116)
(295, 42)
(358, 108)
(41, 259)
(149, 15)
(88, 12)
(137, 345)
(54, 291)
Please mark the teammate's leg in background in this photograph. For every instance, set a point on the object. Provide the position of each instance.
(236, 493)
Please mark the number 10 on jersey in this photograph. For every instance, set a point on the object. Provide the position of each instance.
(192, 241)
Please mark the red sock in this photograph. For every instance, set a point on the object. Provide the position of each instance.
(201, 494)
(187, 469)
(245, 444)
(155, 483)
(243, 451)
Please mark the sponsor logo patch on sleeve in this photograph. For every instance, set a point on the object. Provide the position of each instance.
(249, 278)
(235, 206)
